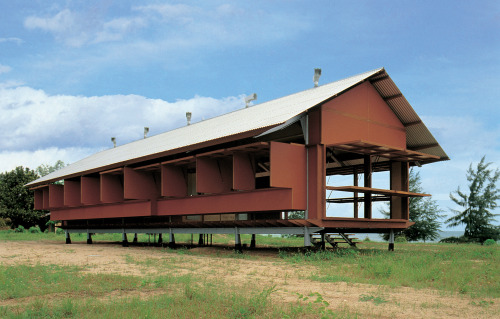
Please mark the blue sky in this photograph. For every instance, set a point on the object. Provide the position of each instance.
(75, 73)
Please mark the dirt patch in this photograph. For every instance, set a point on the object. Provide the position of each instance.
(290, 281)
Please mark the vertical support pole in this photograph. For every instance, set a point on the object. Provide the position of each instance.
(124, 239)
(160, 239)
(89, 238)
(307, 237)
(68, 238)
(391, 240)
(135, 238)
(323, 241)
(171, 239)
(252, 242)
(211, 237)
(368, 183)
(200, 240)
(355, 183)
(237, 240)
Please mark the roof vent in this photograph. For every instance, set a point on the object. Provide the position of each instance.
(188, 118)
(146, 131)
(317, 74)
(249, 98)
(113, 139)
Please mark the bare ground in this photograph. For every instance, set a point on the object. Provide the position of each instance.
(263, 272)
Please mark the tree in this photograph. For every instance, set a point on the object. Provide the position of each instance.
(424, 212)
(16, 201)
(477, 203)
(45, 169)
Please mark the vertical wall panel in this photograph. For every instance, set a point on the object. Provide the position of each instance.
(316, 182)
(111, 188)
(173, 181)
(213, 175)
(45, 198)
(38, 199)
(56, 196)
(91, 190)
(399, 206)
(139, 185)
(288, 169)
(243, 172)
(72, 193)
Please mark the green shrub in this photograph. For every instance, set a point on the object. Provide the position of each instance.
(20, 229)
(457, 240)
(34, 230)
(59, 231)
(367, 239)
(489, 242)
(400, 239)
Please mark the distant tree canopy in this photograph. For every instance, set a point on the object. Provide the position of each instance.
(477, 203)
(424, 212)
(17, 201)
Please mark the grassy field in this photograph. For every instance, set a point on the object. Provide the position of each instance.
(34, 289)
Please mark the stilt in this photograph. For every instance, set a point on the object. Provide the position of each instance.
(135, 238)
(160, 239)
(307, 238)
(322, 241)
(200, 240)
(68, 238)
(237, 241)
(124, 240)
(89, 239)
(252, 242)
(171, 240)
(391, 240)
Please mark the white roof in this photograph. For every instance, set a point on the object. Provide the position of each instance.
(264, 115)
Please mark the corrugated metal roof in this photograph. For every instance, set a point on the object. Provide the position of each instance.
(265, 115)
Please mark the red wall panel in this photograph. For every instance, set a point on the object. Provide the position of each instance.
(103, 211)
(361, 114)
(56, 196)
(38, 199)
(288, 169)
(243, 172)
(258, 200)
(91, 190)
(139, 185)
(213, 175)
(72, 193)
(173, 181)
(111, 188)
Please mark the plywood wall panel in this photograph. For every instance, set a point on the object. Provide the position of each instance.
(173, 181)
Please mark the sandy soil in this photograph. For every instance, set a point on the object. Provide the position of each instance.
(263, 272)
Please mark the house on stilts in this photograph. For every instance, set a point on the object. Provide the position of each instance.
(243, 172)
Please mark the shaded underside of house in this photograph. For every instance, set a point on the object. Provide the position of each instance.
(252, 170)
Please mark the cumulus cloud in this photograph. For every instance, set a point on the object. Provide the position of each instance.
(32, 119)
(49, 156)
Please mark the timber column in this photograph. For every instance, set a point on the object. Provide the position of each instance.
(400, 182)
(316, 167)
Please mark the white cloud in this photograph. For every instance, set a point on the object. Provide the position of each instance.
(12, 39)
(167, 26)
(30, 119)
(5, 68)
(59, 23)
(32, 159)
